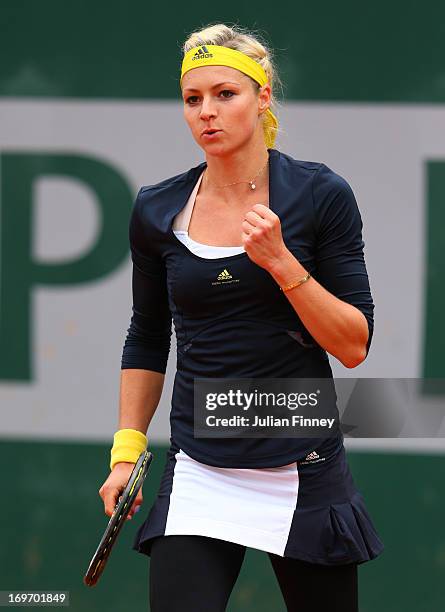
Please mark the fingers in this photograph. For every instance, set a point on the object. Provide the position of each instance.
(255, 218)
(251, 222)
(252, 218)
(112, 488)
(264, 211)
(110, 497)
(256, 226)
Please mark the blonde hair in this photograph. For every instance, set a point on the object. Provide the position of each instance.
(240, 39)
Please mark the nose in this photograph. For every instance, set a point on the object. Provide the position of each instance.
(207, 109)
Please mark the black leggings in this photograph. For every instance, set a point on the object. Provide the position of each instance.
(193, 573)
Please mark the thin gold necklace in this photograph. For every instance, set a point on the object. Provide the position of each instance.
(251, 182)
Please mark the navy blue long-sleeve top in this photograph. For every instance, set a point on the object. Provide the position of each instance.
(242, 326)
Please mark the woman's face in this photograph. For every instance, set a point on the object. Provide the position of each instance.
(225, 100)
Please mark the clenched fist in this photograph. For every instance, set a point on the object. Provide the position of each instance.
(262, 237)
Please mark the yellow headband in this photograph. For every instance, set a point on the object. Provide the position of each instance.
(215, 55)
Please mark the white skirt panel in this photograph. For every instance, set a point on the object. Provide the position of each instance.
(251, 507)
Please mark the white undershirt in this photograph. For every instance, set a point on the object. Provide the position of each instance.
(180, 228)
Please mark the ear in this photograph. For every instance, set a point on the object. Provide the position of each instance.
(264, 97)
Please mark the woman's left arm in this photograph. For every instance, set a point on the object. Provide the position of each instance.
(335, 304)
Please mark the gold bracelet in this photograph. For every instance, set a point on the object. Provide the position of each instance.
(297, 283)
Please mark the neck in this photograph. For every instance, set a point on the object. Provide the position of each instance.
(240, 165)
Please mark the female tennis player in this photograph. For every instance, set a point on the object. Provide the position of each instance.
(258, 258)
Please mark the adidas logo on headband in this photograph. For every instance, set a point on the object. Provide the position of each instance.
(202, 53)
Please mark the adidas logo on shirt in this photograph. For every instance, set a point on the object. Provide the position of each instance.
(313, 457)
(224, 275)
(225, 278)
(202, 53)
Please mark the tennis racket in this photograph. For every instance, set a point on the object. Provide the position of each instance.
(120, 513)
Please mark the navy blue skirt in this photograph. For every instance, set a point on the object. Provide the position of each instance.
(330, 523)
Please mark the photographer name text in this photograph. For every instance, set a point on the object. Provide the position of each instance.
(268, 421)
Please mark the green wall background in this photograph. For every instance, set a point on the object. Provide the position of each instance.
(53, 518)
(344, 50)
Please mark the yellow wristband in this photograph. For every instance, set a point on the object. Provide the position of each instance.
(297, 283)
(128, 445)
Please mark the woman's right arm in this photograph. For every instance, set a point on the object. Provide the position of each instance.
(145, 352)
(140, 392)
